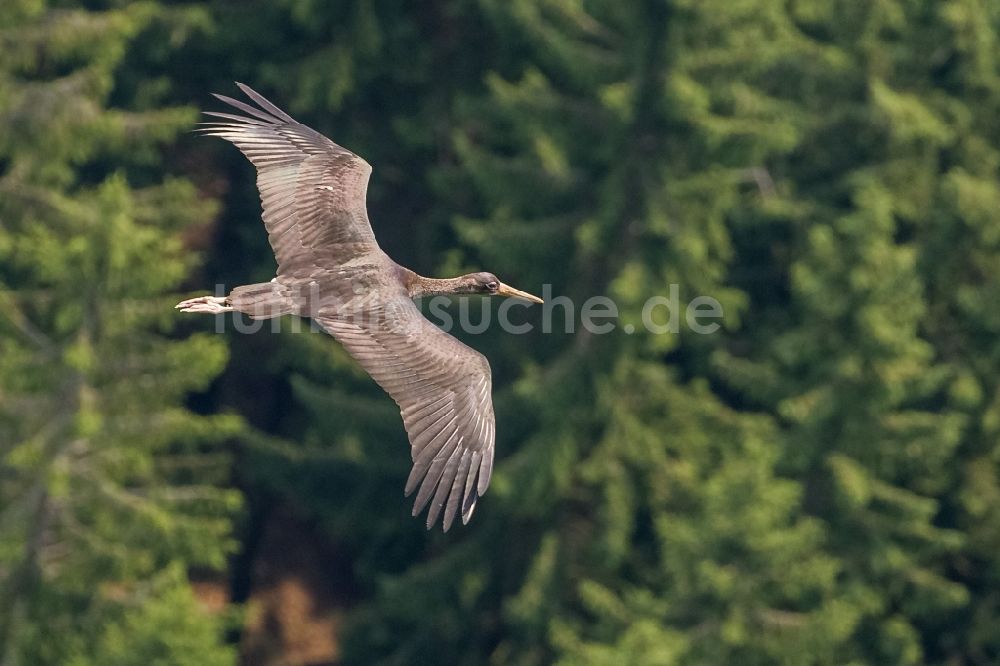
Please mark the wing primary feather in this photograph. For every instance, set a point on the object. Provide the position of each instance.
(485, 471)
(423, 399)
(232, 117)
(455, 497)
(444, 486)
(264, 102)
(427, 485)
(470, 480)
(429, 455)
(425, 434)
(469, 506)
(430, 481)
(427, 421)
(246, 108)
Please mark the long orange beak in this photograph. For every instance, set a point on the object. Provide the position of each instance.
(507, 290)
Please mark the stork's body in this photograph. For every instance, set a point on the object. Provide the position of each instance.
(330, 268)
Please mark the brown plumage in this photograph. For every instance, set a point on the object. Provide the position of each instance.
(331, 268)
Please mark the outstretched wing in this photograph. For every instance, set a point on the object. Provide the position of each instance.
(312, 190)
(443, 390)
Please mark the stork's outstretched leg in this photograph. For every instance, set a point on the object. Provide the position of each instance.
(261, 301)
(207, 304)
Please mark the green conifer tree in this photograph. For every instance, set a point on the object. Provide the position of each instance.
(876, 355)
(635, 517)
(817, 482)
(110, 487)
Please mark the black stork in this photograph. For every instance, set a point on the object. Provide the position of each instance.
(331, 269)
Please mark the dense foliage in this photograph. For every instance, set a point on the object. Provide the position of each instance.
(110, 488)
(818, 481)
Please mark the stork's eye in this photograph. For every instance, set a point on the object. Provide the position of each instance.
(492, 286)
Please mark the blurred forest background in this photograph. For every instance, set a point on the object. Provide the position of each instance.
(816, 483)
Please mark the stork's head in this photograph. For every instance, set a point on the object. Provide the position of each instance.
(489, 285)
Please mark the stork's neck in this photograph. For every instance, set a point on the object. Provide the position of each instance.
(424, 286)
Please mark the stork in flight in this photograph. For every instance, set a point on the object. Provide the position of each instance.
(330, 268)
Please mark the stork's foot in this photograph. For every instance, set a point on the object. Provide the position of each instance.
(207, 304)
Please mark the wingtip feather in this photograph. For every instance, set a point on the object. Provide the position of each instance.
(485, 472)
(264, 102)
(467, 512)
